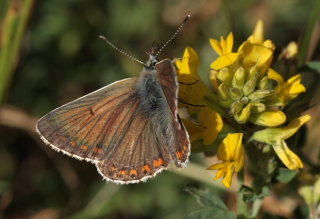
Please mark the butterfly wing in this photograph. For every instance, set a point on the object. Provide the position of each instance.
(107, 128)
(179, 141)
(138, 156)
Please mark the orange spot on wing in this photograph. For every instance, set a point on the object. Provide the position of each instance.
(146, 169)
(73, 144)
(158, 163)
(133, 172)
(84, 147)
(122, 172)
(179, 155)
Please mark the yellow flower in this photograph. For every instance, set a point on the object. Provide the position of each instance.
(257, 36)
(277, 136)
(286, 91)
(290, 52)
(291, 88)
(257, 51)
(209, 126)
(224, 50)
(231, 152)
(191, 88)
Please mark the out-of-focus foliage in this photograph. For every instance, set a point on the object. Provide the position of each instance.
(58, 57)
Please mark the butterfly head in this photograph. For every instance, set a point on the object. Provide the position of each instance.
(151, 63)
(153, 54)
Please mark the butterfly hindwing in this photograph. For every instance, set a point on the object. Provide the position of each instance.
(139, 155)
(179, 140)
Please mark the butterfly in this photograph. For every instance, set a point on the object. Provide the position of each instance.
(129, 129)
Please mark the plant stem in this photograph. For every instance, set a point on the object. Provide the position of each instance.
(13, 28)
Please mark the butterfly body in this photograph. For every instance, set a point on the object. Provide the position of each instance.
(130, 129)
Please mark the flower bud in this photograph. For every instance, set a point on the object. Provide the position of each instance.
(244, 115)
(239, 78)
(235, 93)
(223, 92)
(236, 107)
(253, 71)
(257, 107)
(260, 94)
(250, 85)
(264, 83)
(224, 75)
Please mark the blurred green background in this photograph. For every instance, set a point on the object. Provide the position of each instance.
(51, 54)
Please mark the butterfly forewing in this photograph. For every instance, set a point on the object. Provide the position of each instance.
(79, 127)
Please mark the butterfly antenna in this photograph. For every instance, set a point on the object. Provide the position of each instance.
(119, 50)
(173, 36)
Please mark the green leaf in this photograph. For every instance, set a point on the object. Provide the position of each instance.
(207, 198)
(250, 195)
(204, 214)
(264, 192)
(210, 214)
(314, 65)
(285, 175)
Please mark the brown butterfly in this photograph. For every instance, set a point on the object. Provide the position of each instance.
(129, 129)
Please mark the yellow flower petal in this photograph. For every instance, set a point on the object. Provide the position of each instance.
(253, 54)
(218, 166)
(224, 61)
(223, 44)
(269, 118)
(288, 157)
(272, 74)
(291, 89)
(188, 66)
(220, 173)
(269, 44)
(294, 126)
(229, 43)
(212, 123)
(230, 147)
(216, 46)
(258, 33)
(231, 152)
(188, 73)
(227, 180)
(295, 87)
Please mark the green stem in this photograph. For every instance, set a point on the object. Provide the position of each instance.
(242, 207)
(306, 39)
(14, 26)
